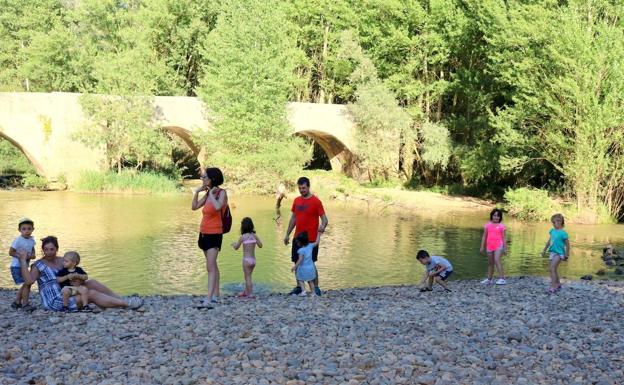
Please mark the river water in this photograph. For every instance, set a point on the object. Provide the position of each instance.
(147, 244)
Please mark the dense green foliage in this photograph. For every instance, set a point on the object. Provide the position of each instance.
(486, 94)
(531, 204)
(34, 181)
(125, 127)
(249, 74)
(12, 161)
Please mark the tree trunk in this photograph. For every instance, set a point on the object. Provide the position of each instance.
(439, 108)
(426, 77)
(322, 64)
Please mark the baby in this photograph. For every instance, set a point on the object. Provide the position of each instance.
(72, 278)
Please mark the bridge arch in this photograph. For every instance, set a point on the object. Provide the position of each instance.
(38, 167)
(339, 155)
(186, 136)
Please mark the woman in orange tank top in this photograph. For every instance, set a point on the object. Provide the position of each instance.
(211, 227)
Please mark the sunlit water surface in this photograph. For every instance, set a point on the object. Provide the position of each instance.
(147, 244)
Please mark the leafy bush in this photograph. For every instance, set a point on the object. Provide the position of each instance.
(34, 181)
(531, 204)
(125, 182)
(12, 161)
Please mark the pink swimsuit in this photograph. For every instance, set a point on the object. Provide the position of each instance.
(495, 235)
(248, 259)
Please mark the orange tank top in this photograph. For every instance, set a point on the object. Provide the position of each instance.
(211, 220)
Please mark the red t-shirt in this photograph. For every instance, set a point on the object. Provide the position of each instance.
(307, 212)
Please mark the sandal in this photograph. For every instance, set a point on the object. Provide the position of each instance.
(242, 295)
(134, 303)
(551, 290)
(424, 289)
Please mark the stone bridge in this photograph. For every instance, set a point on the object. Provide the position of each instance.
(41, 126)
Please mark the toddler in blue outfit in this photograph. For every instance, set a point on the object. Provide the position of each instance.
(304, 268)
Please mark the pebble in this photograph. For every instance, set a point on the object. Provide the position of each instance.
(515, 333)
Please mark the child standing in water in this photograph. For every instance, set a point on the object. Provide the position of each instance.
(304, 268)
(494, 242)
(249, 240)
(558, 246)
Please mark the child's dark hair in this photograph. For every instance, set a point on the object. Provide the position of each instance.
(422, 254)
(73, 255)
(49, 239)
(302, 239)
(247, 226)
(497, 211)
(558, 216)
(25, 221)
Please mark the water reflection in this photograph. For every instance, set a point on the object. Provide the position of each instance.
(149, 244)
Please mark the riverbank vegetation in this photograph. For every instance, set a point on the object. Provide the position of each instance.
(508, 100)
(127, 181)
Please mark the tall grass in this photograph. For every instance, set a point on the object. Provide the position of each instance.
(537, 205)
(126, 182)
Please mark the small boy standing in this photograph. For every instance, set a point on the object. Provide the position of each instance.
(437, 269)
(24, 243)
(71, 278)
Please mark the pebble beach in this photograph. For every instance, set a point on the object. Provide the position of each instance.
(476, 334)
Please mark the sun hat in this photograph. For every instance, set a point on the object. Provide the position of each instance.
(24, 220)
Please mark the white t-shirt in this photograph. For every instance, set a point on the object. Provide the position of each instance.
(21, 243)
(437, 260)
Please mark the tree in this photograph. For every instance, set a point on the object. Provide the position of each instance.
(564, 64)
(381, 122)
(324, 75)
(249, 75)
(126, 129)
(176, 29)
(20, 22)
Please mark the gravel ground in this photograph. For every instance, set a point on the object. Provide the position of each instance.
(513, 334)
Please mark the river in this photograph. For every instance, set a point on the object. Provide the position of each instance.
(147, 244)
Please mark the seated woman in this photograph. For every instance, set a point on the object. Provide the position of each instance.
(44, 270)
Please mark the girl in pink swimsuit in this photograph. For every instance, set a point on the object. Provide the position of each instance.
(494, 242)
(249, 240)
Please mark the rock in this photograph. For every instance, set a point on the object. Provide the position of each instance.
(587, 277)
(426, 380)
(515, 336)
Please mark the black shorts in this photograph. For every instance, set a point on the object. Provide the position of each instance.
(445, 274)
(210, 241)
(294, 256)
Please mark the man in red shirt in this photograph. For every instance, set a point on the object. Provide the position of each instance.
(306, 211)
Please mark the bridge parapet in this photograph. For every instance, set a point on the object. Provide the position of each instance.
(42, 126)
